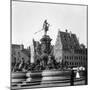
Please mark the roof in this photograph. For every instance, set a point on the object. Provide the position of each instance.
(69, 40)
(14, 46)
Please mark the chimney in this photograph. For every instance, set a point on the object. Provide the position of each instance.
(66, 30)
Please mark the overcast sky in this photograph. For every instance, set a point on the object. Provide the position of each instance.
(28, 18)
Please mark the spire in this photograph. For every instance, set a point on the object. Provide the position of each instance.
(70, 33)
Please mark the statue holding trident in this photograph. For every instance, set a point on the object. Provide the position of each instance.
(46, 26)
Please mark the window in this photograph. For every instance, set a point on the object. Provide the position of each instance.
(84, 58)
(79, 63)
(79, 57)
(75, 63)
(75, 57)
(70, 57)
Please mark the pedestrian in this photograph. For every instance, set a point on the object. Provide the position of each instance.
(72, 78)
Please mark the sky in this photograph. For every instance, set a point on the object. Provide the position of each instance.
(28, 18)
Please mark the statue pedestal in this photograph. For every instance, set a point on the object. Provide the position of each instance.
(45, 44)
(45, 49)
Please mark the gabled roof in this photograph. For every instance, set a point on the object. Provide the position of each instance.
(69, 40)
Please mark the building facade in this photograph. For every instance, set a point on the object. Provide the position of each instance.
(68, 49)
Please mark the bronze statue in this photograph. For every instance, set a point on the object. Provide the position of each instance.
(46, 26)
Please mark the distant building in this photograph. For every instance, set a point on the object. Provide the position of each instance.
(37, 49)
(19, 53)
(67, 49)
